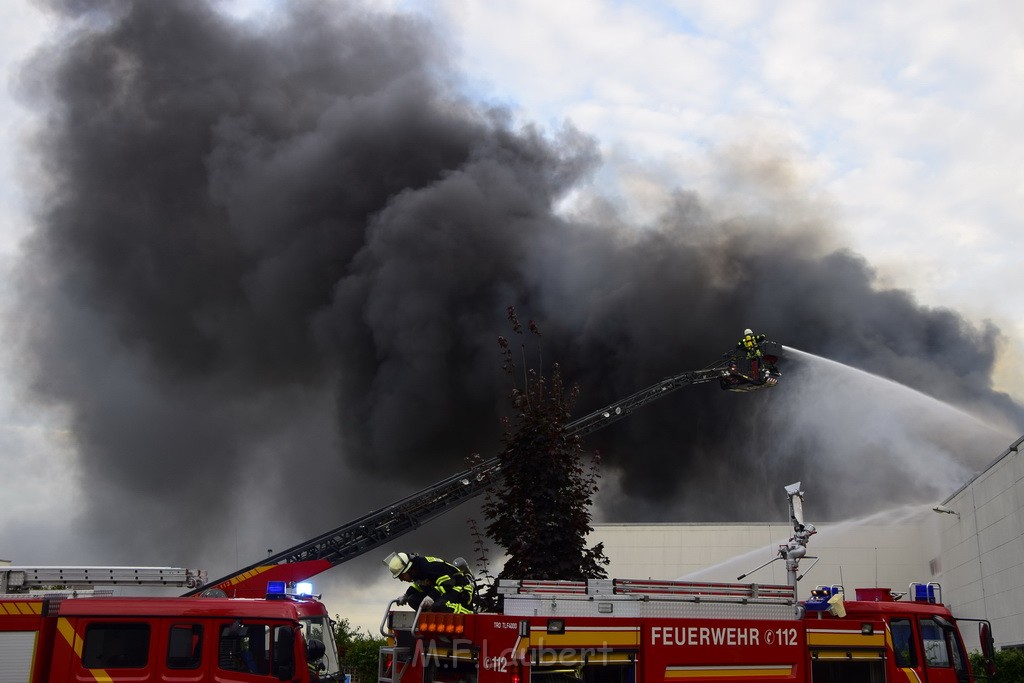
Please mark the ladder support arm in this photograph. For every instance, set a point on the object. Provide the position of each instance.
(382, 526)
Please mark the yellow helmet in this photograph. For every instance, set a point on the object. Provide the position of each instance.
(398, 563)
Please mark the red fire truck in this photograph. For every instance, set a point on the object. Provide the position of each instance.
(644, 631)
(72, 634)
(623, 631)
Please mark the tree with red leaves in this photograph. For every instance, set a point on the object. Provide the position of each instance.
(539, 510)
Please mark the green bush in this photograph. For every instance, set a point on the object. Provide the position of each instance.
(1009, 666)
(357, 651)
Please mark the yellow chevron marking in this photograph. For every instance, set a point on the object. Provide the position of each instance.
(20, 607)
(67, 631)
(250, 574)
(911, 675)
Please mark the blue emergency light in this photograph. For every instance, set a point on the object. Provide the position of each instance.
(280, 589)
(926, 592)
(818, 602)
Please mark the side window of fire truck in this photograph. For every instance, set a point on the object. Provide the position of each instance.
(936, 653)
(185, 646)
(903, 643)
(115, 646)
(244, 648)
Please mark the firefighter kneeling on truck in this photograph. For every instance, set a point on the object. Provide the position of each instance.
(451, 588)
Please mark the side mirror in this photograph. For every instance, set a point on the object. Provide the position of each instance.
(988, 648)
(315, 650)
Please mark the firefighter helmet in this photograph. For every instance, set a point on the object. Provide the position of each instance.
(398, 563)
(747, 332)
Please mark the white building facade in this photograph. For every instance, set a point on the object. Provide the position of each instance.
(972, 545)
(981, 561)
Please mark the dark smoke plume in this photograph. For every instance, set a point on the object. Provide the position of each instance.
(272, 261)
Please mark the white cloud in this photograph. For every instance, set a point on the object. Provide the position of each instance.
(21, 28)
(905, 115)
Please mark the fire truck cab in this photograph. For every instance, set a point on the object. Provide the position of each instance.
(630, 631)
(180, 639)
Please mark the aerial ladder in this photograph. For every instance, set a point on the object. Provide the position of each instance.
(377, 528)
(16, 580)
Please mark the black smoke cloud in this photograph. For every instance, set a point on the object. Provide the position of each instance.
(272, 260)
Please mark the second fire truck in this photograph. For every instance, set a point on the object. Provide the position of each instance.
(645, 631)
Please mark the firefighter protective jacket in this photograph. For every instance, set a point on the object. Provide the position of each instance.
(449, 588)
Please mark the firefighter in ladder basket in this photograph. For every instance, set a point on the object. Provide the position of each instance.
(751, 345)
(449, 585)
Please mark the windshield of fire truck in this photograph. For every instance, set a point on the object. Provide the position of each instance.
(319, 627)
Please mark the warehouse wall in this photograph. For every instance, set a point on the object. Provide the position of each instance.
(975, 551)
(861, 553)
(982, 560)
